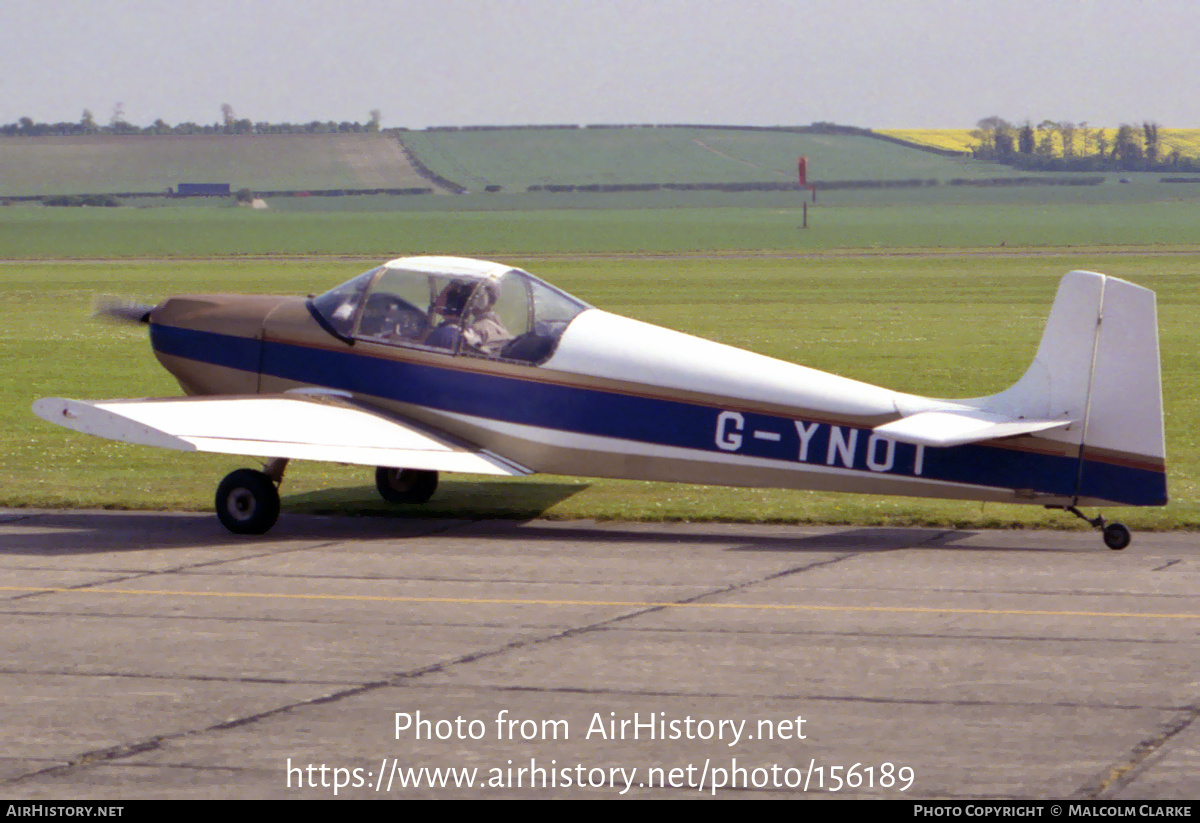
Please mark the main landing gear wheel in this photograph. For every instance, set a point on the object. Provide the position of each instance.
(405, 485)
(247, 502)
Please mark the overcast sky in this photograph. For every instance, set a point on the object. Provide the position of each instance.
(872, 63)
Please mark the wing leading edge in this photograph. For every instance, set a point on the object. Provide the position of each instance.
(293, 426)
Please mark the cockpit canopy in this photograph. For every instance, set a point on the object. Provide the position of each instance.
(452, 305)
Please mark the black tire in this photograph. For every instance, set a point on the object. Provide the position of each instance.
(1116, 536)
(247, 502)
(405, 485)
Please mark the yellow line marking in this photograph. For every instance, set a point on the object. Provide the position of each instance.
(645, 604)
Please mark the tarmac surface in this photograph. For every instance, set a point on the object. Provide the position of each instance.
(150, 655)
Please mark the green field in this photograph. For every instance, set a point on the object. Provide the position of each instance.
(1143, 189)
(38, 232)
(518, 158)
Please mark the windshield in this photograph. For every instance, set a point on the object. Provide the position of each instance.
(338, 307)
(509, 315)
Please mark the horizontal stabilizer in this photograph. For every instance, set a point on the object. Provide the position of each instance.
(291, 426)
(956, 427)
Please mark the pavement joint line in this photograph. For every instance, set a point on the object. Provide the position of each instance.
(756, 631)
(125, 576)
(1121, 774)
(640, 604)
(117, 577)
(785, 696)
(790, 696)
(190, 678)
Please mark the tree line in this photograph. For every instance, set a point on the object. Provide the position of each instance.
(229, 123)
(1063, 146)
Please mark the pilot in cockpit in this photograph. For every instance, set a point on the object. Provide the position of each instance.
(449, 305)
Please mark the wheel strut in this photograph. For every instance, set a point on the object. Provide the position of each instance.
(274, 469)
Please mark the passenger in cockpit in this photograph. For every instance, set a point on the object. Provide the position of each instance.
(482, 327)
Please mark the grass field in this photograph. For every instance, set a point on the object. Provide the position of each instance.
(947, 325)
(1144, 188)
(518, 158)
(32, 232)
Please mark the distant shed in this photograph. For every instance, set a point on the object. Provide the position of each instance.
(203, 190)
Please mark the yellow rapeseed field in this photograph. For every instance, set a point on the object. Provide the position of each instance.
(1186, 141)
(952, 139)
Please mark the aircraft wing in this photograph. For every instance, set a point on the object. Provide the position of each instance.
(303, 426)
(957, 427)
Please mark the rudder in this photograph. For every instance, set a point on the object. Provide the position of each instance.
(1124, 450)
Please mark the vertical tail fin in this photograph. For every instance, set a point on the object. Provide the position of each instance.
(1098, 365)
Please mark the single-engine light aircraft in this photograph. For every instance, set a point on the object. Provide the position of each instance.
(440, 364)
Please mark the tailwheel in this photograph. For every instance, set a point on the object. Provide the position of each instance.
(1116, 535)
(247, 502)
(405, 485)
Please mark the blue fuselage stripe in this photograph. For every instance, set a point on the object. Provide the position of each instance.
(662, 421)
(207, 347)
